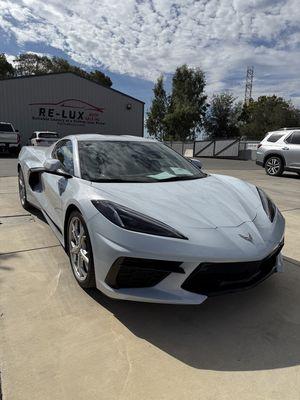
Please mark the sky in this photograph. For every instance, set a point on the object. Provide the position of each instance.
(135, 41)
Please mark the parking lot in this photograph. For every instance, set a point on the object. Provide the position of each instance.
(60, 342)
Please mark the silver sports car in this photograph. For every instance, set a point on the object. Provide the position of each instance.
(141, 222)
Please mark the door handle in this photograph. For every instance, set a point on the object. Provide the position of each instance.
(285, 148)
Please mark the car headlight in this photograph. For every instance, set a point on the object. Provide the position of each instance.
(133, 220)
(267, 204)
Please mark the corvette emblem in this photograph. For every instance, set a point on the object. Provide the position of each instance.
(249, 238)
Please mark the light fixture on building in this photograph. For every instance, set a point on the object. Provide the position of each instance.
(129, 106)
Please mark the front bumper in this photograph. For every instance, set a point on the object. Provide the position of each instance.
(221, 245)
(187, 288)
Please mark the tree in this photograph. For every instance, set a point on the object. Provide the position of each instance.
(223, 116)
(268, 113)
(100, 77)
(34, 64)
(155, 122)
(187, 103)
(60, 65)
(6, 69)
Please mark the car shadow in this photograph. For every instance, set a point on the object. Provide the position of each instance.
(4, 268)
(288, 175)
(253, 330)
(35, 212)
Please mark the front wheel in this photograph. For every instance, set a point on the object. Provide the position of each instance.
(80, 251)
(274, 166)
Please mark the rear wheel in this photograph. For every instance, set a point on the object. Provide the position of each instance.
(274, 166)
(22, 190)
(80, 251)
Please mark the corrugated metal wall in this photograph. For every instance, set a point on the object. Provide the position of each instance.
(68, 104)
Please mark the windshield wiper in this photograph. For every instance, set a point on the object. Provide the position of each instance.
(112, 180)
(120, 180)
(180, 178)
(147, 180)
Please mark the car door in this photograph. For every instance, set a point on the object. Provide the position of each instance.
(292, 150)
(57, 187)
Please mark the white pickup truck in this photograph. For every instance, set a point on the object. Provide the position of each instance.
(9, 138)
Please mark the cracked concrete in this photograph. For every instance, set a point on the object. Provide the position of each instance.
(60, 342)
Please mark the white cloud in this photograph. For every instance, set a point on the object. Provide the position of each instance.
(10, 58)
(147, 37)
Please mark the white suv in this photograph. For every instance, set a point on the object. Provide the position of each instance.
(43, 138)
(280, 151)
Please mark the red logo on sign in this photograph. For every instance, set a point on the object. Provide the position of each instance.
(72, 103)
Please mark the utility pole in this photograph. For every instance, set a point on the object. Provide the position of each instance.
(249, 84)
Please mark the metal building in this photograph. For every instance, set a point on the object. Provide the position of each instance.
(68, 104)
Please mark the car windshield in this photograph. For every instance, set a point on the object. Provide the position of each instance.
(6, 128)
(130, 161)
(48, 135)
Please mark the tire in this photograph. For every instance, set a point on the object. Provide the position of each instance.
(80, 251)
(274, 166)
(22, 190)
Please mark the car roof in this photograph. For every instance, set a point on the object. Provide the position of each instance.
(101, 137)
(284, 130)
(279, 131)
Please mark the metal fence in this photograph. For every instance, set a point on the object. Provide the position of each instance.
(219, 148)
(184, 148)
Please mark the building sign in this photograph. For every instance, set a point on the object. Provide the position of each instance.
(70, 112)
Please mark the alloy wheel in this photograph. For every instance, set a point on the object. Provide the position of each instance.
(80, 258)
(273, 166)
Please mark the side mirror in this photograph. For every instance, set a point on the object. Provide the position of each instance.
(54, 166)
(196, 163)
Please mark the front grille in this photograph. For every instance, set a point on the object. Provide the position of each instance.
(129, 272)
(217, 278)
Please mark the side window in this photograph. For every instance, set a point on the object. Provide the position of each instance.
(274, 137)
(294, 138)
(63, 151)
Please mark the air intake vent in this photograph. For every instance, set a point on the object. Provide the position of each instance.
(129, 272)
(216, 278)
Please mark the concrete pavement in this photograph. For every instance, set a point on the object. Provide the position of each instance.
(8, 165)
(60, 342)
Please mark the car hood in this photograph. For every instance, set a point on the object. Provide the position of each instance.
(211, 202)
